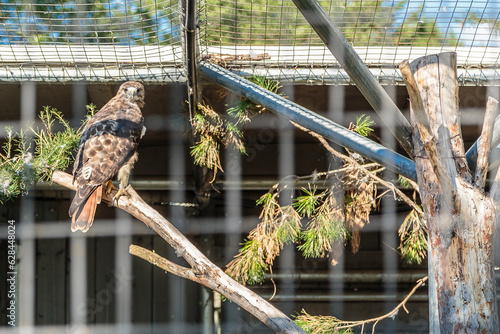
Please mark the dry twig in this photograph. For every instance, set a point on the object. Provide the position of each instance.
(330, 324)
(356, 165)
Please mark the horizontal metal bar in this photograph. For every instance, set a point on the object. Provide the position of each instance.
(352, 277)
(362, 297)
(160, 185)
(309, 119)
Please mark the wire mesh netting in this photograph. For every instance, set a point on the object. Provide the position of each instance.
(114, 40)
(272, 38)
(93, 41)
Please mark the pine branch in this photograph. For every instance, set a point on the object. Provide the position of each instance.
(330, 324)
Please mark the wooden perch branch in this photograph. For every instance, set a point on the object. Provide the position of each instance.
(204, 271)
(485, 143)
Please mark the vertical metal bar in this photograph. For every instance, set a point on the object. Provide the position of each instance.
(189, 10)
(389, 220)
(78, 283)
(233, 208)
(336, 104)
(123, 269)
(79, 101)
(191, 55)
(208, 310)
(286, 167)
(27, 243)
(177, 170)
(78, 243)
(357, 70)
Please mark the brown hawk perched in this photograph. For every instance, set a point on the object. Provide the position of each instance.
(107, 148)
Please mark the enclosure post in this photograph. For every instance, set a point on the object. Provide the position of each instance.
(357, 70)
(189, 26)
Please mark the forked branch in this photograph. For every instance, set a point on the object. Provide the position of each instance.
(485, 143)
(202, 269)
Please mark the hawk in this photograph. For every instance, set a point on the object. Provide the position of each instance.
(107, 149)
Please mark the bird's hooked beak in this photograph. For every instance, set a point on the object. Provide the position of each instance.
(131, 93)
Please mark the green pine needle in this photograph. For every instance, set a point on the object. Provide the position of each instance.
(21, 166)
(248, 267)
(306, 205)
(364, 125)
(413, 238)
(317, 240)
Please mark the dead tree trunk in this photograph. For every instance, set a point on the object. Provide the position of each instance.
(460, 216)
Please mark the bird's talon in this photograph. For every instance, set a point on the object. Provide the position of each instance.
(110, 187)
(121, 192)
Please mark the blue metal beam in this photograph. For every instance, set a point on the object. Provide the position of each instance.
(310, 120)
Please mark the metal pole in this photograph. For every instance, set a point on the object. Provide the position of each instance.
(357, 70)
(190, 52)
(309, 119)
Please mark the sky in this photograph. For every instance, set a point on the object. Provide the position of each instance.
(454, 17)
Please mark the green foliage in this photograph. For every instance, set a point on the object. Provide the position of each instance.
(403, 181)
(413, 238)
(416, 30)
(363, 23)
(279, 225)
(252, 267)
(306, 205)
(322, 324)
(364, 125)
(325, 227)
(102, 22)
(328, 219)
(213, 131)
(21, 165)
(17, 172)
(242, 112)
(53, 150)
(253, 22)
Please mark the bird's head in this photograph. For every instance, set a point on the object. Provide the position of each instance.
(133, 91)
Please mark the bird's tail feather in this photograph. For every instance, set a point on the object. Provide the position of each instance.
(83, 217)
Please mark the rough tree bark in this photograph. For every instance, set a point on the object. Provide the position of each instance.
(460, 215)
(202, 270)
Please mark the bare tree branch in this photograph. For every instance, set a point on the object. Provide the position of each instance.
(206, 273)
(355, 164)
(485, 143)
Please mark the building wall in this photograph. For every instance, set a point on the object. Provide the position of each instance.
(119, 288)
